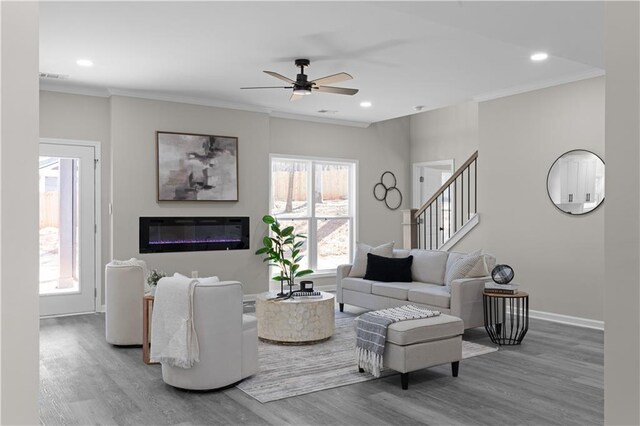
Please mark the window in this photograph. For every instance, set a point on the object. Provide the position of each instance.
(317, 197)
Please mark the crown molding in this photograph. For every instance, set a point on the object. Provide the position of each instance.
(74, 90)
(323, 120)
(157, 96)
(516, 90)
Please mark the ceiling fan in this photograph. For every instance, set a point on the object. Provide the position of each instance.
(302, 86)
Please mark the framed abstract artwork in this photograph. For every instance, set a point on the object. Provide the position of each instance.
(193, 167)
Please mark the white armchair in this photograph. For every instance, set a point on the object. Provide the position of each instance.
(228, 340)
(124, 290)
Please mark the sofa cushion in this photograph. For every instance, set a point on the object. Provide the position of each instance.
(394, 290)
(359, 267)
(429, 266)
(433, 295)
(401, 253)
(424, 330)
(357, 284)
(472, 265)
(388, 269)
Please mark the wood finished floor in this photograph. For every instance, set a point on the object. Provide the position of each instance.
(554, 378)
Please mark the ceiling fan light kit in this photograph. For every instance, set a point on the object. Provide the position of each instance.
(303, 87)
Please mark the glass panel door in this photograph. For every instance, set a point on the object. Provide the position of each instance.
(67, 236)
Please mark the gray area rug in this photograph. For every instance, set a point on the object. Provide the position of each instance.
(287, 371)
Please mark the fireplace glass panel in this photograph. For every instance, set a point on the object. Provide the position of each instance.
(168, 234)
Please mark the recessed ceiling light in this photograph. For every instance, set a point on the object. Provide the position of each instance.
(85, 62)
(539, 56)
(365, 104)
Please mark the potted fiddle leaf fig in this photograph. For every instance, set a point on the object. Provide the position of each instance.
(282, 249)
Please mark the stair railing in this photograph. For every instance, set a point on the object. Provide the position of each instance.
(450, 208)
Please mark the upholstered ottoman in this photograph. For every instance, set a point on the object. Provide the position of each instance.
(416, 344)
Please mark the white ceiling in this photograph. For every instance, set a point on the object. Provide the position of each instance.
(401, 54)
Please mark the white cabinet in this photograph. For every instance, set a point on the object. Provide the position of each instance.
(578, 180)
(575, 182)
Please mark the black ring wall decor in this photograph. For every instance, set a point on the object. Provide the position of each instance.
(386, 191)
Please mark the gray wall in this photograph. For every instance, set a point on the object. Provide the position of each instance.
(133, 143)
(126, 127)
(622, 216)
(444, 134)
(555, 256)
(65, 116)
(19, 213)
(380, 147)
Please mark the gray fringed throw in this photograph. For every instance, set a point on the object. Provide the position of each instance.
(371, 333)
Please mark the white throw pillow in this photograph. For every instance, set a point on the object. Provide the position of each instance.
(472, 265)
(359, 268)
(201, 280)
(208, 280)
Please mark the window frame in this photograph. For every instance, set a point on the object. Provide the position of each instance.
(311, 218)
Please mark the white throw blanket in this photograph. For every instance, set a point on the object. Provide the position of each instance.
(173, 335)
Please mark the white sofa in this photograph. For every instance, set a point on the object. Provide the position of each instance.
(463, 299)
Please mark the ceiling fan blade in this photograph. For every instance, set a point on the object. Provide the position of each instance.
(268, 87)
(330, 79)
(280, 76)
(337, 90)
(296, 97)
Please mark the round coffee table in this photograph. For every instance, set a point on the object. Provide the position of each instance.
(295, 321)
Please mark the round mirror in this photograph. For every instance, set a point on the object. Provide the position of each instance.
(575, 182)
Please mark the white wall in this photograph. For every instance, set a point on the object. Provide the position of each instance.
(622, 216)
(19, 213)
(555, 256)
(66, 116)
(133, 143)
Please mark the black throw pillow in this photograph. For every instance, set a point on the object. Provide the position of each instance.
(388, 269)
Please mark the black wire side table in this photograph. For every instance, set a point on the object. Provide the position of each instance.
(506, 317)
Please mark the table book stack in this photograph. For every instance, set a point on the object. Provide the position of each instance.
(491, 287)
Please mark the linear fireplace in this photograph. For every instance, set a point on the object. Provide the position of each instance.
(173, 234)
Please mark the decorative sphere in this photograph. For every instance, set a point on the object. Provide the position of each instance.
(502, 274)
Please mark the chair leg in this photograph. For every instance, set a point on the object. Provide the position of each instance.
(454, 368)
(404, 380)
(341, 307)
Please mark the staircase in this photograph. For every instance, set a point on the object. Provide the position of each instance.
(449, 214)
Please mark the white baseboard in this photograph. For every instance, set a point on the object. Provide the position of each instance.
(546, 316)
(566, 319)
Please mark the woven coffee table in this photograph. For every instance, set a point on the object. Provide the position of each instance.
(295, 321)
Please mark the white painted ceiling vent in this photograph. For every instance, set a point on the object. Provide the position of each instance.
(52, 76)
